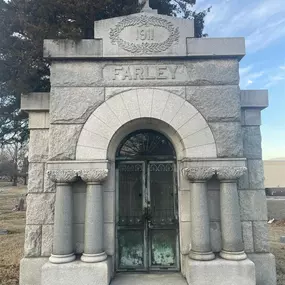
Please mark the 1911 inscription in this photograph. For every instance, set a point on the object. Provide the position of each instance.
(145, 72)
(145, 34)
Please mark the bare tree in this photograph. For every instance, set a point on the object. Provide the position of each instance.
(13, 162)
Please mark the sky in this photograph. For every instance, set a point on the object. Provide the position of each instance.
(262, 23)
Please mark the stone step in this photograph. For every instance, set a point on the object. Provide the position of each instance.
(148, 279)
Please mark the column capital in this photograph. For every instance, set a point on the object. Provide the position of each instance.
(198, 173)
(230, 173)
(93, 175)
(62, 176)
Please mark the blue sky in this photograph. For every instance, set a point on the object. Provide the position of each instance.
(262, 23)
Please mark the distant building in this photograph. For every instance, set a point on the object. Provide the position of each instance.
(274, 173)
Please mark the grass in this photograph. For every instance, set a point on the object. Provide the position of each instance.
(12, 245)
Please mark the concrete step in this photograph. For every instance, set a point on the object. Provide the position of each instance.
(149, 279)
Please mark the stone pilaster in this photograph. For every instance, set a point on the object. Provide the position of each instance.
(63, 224)
(232, 243)
(200, 230)
(93, 236)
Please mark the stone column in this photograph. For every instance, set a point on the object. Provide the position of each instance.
(62, 251)
(232, 243)
(200, 221)
(94, 220)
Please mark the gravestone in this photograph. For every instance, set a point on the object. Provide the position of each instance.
(146, 156)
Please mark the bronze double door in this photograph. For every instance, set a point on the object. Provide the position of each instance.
(147, 217)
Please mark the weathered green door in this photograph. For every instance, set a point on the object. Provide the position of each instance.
(147, 219)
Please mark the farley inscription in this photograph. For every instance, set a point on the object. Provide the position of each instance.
(144, 34)
(169, 72)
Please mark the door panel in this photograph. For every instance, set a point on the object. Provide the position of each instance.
(163, 248)
(163, 225)
(147, 224)
(131, 249)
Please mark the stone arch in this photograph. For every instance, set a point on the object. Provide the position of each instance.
(191, 127)
(148, 124)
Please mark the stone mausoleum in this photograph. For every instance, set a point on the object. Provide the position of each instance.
(145, 161)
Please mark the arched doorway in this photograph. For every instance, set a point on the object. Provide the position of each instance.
(147, 227)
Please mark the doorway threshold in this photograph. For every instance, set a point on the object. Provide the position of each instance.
(148, 279)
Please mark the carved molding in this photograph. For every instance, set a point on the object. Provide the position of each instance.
(198, 173)
(230, 173)
(93, 175)
(147, 47)
(62, 176)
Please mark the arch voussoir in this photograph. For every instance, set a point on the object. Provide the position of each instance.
(196, 135)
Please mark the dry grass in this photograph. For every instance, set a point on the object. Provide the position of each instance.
(12, 244)
(276, 230)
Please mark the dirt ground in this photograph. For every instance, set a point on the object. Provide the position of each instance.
(12, 245)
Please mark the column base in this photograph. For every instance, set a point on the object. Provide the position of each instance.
(77, 273)
(58, 259)
(93, 258)
(202, 256)
(228, 255)
(220, 271)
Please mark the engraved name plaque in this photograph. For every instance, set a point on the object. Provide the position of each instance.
(151, 72)
(144, 34)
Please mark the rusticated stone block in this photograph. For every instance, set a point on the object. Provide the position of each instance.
(247, 236)
(215, 103)
(252, 142)
(33, 238)
(40, 209)
(255, 174)
(243, 182)
(253, 205)
(47, 238)
(260, 236)
(63, 141)
(49, 186)
(38, 145)
(251, 117)
(36, 177)
(228, 139)
(76, 73)
(67, 106)
(213, 72)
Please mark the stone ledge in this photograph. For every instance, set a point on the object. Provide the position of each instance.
(229, 272)
(77, 164)
(264, 267)
(254, 99)
(195, 48)
(219, 162)
(216, 47)
(72, 49)
(35, 101)
(77, 273)
(31, 270)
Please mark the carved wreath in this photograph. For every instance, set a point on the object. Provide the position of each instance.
(144, 48)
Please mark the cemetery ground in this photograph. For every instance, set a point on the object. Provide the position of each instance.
(12, 244)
